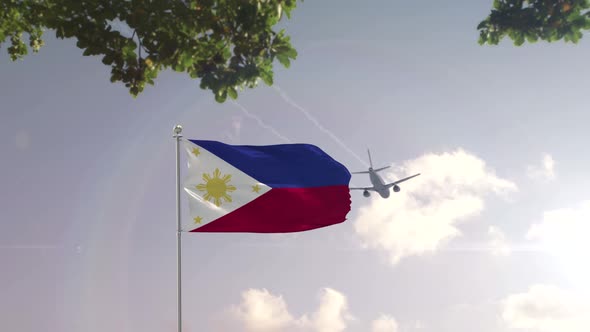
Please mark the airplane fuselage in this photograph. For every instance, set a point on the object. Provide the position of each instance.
(378, 184)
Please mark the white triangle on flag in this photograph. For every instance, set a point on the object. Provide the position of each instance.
(214, 187)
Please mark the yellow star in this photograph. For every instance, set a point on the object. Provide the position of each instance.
(196, 152)
(256, 188)
(197, 220)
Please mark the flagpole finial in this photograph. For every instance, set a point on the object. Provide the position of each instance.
(177, 129)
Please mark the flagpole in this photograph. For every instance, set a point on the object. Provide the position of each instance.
(177, 136)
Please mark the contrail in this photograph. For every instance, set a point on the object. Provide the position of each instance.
(317, 124)
(265, 126)
(261, 123)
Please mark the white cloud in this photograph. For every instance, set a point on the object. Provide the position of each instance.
(545, 171)
(498, 244)
(425, 214)
(563, 233)
(261, 311)
(546, 308)
(384, 323)
(564, 229)
(332, 314)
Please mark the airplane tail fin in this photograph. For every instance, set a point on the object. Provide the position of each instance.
(371, 168)
(371, 162)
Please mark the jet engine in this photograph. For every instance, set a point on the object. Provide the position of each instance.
(396, 188)
(366, 193)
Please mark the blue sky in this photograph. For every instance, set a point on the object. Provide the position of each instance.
(491, 228)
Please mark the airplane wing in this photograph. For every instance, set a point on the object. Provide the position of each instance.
(402, 180)
(361, 188)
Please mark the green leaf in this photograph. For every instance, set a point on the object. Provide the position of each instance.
(195, 37)
(178, 67)
(497, 4)
(266, 77)
(107, 59)
(535, 20)
(221, 96)
(284, 60)
(291, 53)
(232, 92)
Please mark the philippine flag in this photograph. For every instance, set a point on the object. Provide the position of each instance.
(263, 189)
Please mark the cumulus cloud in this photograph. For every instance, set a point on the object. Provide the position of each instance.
(564, 229)
(332, 314)
(544, 171)
(425, 214)
(546, 308)
(261, 311)
(563, 234)
(497, 243)
(384, 323)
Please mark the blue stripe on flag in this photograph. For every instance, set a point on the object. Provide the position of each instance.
(283, 165)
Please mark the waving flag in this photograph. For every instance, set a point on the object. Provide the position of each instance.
(263, 189)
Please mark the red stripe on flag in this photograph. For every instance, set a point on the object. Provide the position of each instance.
(285, 210)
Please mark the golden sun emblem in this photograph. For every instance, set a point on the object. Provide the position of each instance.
(217, 187)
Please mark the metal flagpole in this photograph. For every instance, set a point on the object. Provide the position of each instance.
(177, 136)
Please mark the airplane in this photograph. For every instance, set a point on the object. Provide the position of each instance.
(379, 185)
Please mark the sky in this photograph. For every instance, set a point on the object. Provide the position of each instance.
(490, 237)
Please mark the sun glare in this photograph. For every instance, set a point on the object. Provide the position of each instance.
(564, 236)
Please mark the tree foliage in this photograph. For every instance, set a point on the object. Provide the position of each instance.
(227, 44)
(531, 20)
